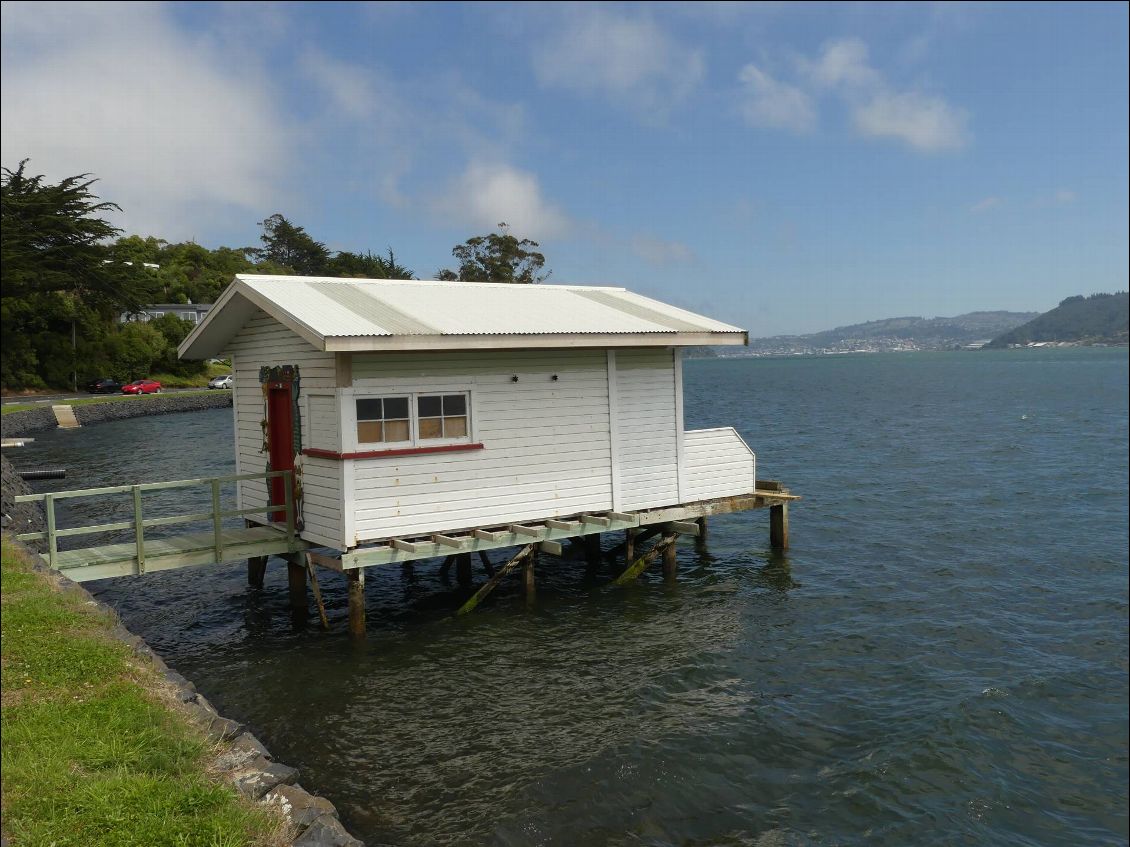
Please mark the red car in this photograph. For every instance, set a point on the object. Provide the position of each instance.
(142, 386)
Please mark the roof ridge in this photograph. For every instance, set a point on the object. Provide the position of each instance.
(430, 282)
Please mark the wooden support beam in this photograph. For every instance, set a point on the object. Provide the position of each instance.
(356, 588)
(489, 535)
(529, 586)
(528, 531)
(492, 583)
(630, 545)
(324, 561)
(700, 542)
(639, 536)
(592, 550)
(623, 517)
(256, 571)
(411, 546)
(485, 559)
(463, 574)
(637, 567)
(596, 519)
(554, 548)
(779, 526)
(681, 527)
(670, 561)
(296, 582)
(317, 589)
(445, 568)
(449, 541)
(568, 526)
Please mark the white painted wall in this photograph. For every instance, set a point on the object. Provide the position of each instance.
(546, 443)
(718, 464)
(264, 342)
(647, 428)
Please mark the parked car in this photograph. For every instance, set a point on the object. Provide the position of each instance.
(142, 386)
(224, 381)
(106, 385)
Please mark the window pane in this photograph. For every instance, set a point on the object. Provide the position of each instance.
(431, 428)
(455, 427)
(454, 404)
(369, 432)
(369, 410)
(430, 407)
(396, 407)
(396, 430)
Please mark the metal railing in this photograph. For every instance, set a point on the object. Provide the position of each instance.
(139, 523)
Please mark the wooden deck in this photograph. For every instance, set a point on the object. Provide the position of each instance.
(548, 533)
(179, 551)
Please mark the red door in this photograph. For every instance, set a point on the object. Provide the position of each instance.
(280, 438)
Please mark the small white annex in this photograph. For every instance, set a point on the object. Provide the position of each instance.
(409, 408)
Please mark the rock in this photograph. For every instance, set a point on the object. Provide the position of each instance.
(298, 805)
(326, 832)
(260, 776)
(223, 729)
(23, 517)
(243, 750)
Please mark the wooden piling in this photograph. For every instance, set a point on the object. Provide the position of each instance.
(700, 540)
(487, 566)
(529, 586)
(592, 550)
(256, 571)
(670, 561)
(779, 526)
(496, 579)
(296, 579)
(356, 584)
(629, 546)
(463, 574)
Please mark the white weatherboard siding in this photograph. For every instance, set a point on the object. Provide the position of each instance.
(647, 429)
(718, 464)
(264, 342)
(546, 443)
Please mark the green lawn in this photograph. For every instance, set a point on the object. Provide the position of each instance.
(91, 754)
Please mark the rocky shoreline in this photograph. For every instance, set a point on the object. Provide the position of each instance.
(30, 421)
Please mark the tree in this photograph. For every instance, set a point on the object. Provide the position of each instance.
(57, 274)
(289, 245)
(367, 266)
(497, 257)
(54, 241)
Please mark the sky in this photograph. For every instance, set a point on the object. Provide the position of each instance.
(784, 167)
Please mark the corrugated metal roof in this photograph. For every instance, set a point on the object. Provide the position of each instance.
(339, 314)
(336, 307)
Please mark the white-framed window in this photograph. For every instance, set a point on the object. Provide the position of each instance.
(423, 419)
(384, 420)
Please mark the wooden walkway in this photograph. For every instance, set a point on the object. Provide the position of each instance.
(145, 555)
(178, 551)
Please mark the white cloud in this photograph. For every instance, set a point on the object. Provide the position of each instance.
(177, 130)
(630, 59)
(488, 194)
(777, 105)
(926, 123)
(985, 205)
(843, 62)
(659, 252)
(879, 109)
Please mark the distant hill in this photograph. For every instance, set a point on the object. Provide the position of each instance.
(1100, 318)
(905, 333)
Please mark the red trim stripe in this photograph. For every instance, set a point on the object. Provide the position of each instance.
(318, 453)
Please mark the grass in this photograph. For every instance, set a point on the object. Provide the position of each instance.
(91, 753)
